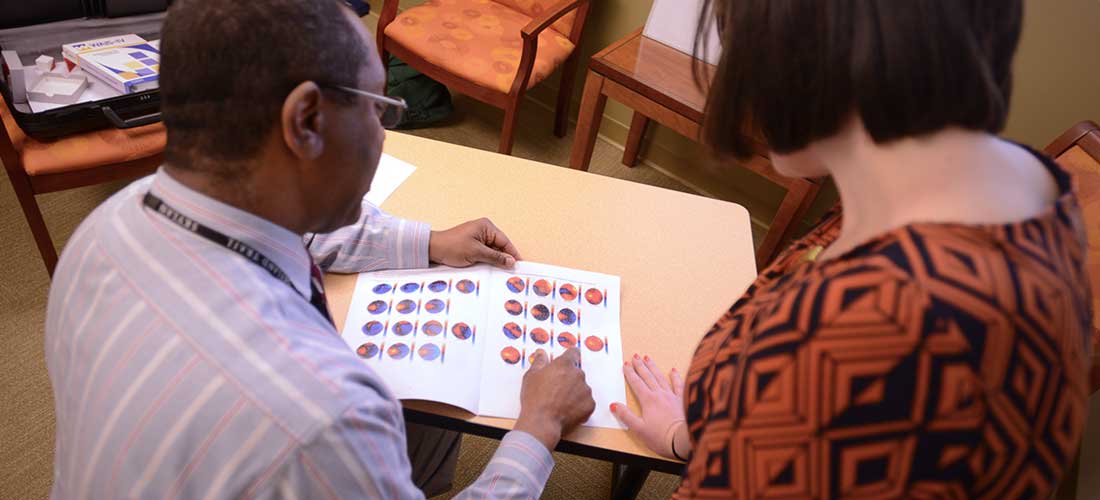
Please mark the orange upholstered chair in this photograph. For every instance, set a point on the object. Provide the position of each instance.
(36, 167)
(491, 50)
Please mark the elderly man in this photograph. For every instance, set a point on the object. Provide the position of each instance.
(188, 339)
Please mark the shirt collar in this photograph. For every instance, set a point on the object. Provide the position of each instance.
(281, 245)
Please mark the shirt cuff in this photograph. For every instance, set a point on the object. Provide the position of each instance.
(412, 245)
(522, 448)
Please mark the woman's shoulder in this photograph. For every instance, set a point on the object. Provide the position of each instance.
(1032, 271)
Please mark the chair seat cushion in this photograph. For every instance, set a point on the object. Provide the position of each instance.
(82, 151)
(476, 40)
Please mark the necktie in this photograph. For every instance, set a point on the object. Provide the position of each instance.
(317, 292)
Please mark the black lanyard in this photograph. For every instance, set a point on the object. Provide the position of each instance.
(317, 297)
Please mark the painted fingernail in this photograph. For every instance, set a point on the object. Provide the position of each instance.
(637, 357)
(626, 363)
(614, 407)
(647, 358)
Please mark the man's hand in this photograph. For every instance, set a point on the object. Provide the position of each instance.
(470, 243)
(662, 424)
(554, 398)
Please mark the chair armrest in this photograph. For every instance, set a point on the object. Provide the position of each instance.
(531, 34)
(385, 17)
(538, 24)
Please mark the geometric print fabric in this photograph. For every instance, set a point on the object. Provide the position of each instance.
(936, 361)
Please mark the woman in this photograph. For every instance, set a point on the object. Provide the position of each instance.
(933, 344)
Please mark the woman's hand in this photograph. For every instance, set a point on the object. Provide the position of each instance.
(662, 425)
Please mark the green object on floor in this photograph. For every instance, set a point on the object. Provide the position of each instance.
(429, 101)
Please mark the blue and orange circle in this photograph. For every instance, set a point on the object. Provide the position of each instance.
(373, 328)
(367, 350)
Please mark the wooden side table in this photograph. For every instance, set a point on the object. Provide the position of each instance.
(657, 82)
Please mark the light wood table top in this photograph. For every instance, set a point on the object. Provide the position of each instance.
(683, 259)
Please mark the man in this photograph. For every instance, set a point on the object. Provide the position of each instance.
(188, 342)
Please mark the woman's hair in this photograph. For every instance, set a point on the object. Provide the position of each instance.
(794, 71)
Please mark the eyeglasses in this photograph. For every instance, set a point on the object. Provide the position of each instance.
(390, 109)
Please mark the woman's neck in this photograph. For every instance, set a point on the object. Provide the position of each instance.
(951, 176)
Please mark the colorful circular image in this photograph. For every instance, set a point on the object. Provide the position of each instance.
(429, 352)
(539, 335)
(406, 306)
(567, 292)
(593, 296)
(367, 351)
(437, 286)
(513, 307)
(531, 358)
(542, 288)
(466, 286)
(373, 328)
(513, 331)
(540, 312)
(381, 289)
(516, 284)
(593, 343)
(567, 340)
(432, 328)
(567, 316)
(435, 305)
(402, 328)
(377, 307)
(397, 351)
(461, 331)
(410, 287)
(510, 355)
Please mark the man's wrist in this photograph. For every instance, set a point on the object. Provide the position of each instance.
(433, 253)
(545, 430)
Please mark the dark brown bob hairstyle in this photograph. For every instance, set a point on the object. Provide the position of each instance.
(794, 71)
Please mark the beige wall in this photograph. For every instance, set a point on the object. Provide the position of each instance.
(1057, 84)
(1057, 70)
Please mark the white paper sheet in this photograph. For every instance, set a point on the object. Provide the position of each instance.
(492, 322)
(674, 23)
(390, 175)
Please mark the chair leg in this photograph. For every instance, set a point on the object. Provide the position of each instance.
(34, 218)
(507, 133)
(794, 206)
(565, 93)
(588, 121)
(385, 70)
(638, 126)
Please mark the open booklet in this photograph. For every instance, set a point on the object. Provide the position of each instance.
(465, 337)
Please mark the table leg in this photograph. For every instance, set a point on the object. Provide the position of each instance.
(638, 127)
(794, 206)
(588, 121)
(627, 481)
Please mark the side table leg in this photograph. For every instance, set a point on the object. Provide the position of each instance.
(638, 127)
(627, 481)
(588, 121)
(795, 204)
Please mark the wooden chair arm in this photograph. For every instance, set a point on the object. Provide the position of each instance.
(385, 17)
(530, 34)
(539, 24)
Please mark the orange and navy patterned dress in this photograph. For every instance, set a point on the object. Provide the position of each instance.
(936, 361)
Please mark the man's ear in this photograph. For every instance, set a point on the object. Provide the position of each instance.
(302, 121)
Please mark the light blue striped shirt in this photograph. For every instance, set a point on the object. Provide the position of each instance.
(182, 370)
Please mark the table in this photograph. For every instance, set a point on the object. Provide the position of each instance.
(662, 243)
(658, 83)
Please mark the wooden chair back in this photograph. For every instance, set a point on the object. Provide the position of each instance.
(1078, 151)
